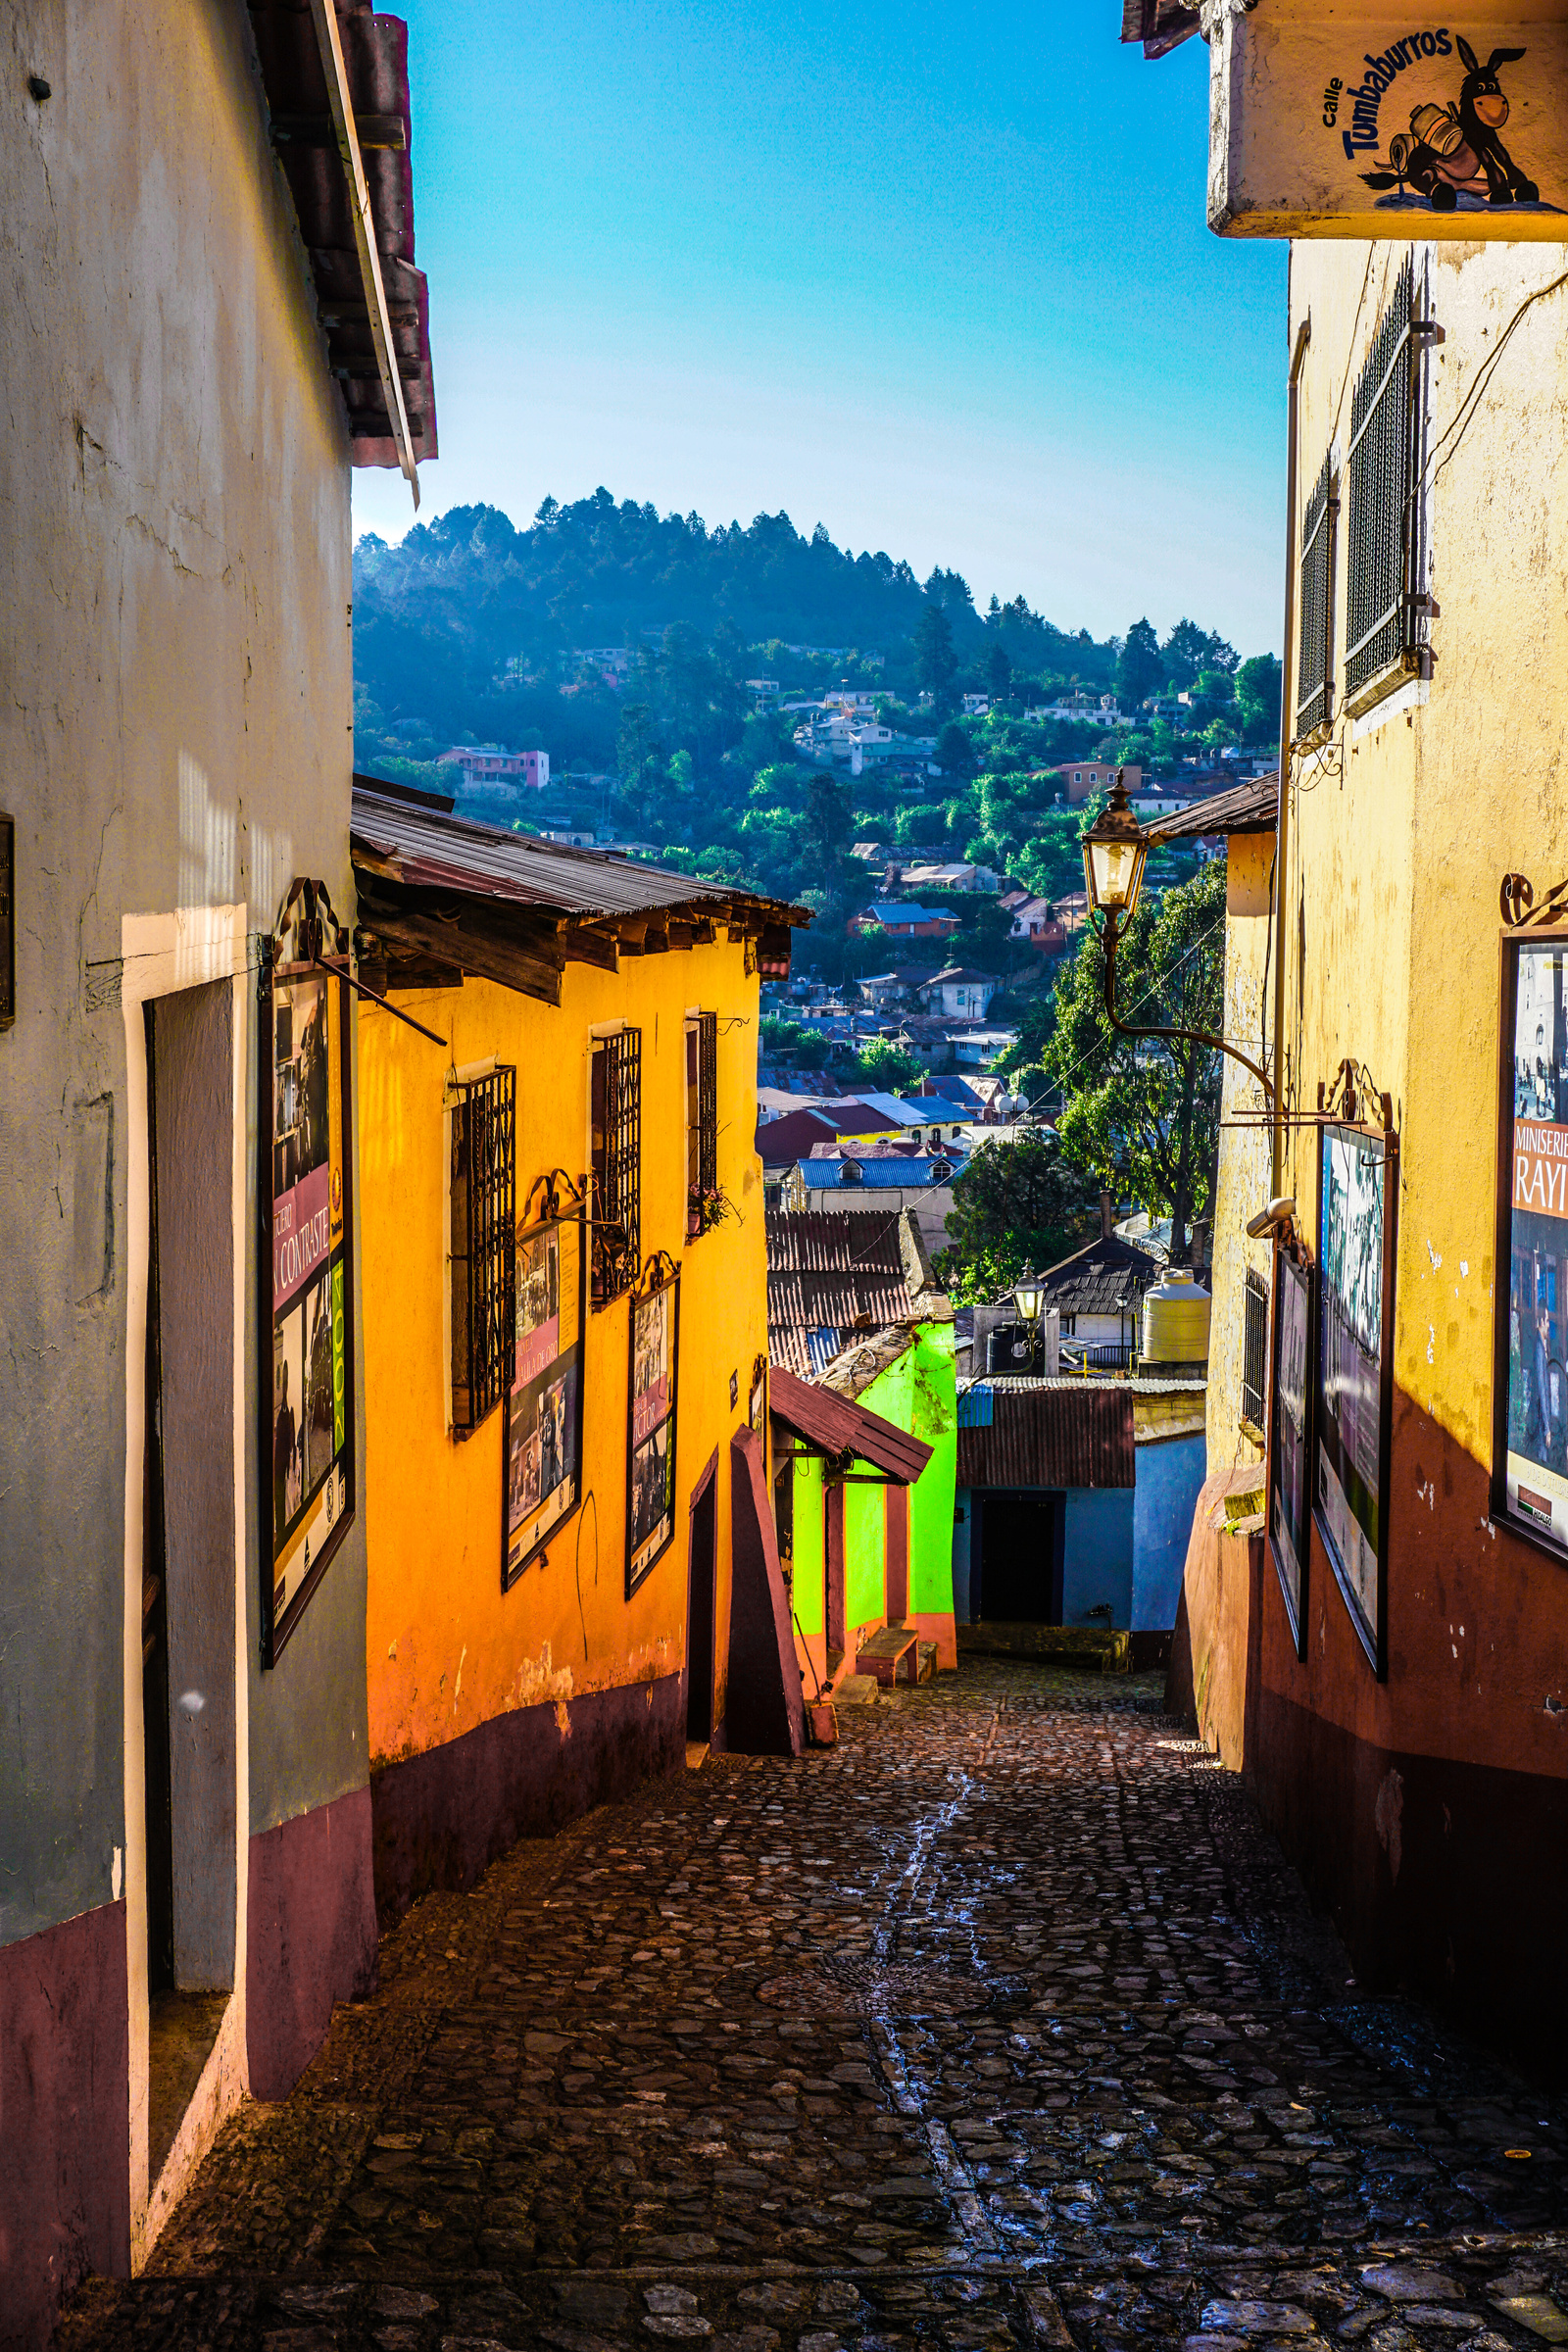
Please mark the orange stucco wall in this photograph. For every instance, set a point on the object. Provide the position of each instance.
(447, 1650)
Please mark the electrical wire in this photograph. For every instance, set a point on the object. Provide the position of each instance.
(1461, 420)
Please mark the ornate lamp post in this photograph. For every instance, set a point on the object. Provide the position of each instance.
(1115, 847)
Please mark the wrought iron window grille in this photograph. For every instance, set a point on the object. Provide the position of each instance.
(705, 1205)
(1255, 1349)
(616, 1113)
(484, 1217)
(1388, 606)
(1314, 697)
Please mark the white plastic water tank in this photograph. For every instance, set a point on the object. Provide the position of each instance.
(1176, 1314)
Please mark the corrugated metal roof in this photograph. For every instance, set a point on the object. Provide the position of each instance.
(422, 848)
(1160, 25)
(840, 1428)
(1054, 1434)
(1246, 808)
(831, 1273)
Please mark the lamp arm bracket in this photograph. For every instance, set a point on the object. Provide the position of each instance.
(1198, 1036)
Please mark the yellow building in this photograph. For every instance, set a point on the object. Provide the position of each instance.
(1384, 1646)
(565, 1333)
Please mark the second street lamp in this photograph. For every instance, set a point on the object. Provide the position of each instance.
(1114, 849)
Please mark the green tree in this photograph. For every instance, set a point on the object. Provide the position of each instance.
(887, 1067)
(953, 754)
(1144, 1113)
(1014, 1204)
(936, 664)
(999, 672)
(636, 756)
(1258, 693)
(1139, 671)
(812, 1052)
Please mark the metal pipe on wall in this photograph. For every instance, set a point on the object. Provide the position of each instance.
(1281, 826)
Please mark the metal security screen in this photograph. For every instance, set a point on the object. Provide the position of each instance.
(484, 1216)
(1314, 698)
(707, 1097)
(1254, 1349)
(1387, 604)
(617, 1130)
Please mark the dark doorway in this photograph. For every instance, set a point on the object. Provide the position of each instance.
(833, 1572)
(700, 1617)
(1022, 1545)
(896, 1551)
(189, 1550)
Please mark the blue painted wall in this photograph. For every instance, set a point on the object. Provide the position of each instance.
(1170, 1472)
(963, 1531)
(1099, 1563)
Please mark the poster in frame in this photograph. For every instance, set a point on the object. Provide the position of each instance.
(1357, 1213)
(541, 1449)
(1292, 1334)
(654, 1352)
(306, 1274)
(1529, 1383)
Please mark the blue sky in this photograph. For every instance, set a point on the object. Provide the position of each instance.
(934, 274)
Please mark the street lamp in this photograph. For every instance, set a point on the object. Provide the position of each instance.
(1028, 1293)
(1114, 849)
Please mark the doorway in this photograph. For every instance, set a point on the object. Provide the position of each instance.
(189, 1554)
(896, 1551)
(701, 1574)
(1022, 1555)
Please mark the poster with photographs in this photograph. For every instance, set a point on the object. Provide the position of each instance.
(1535, 1248)
(650, 1471)
(1353, 1259)
(308, 1452)
(543, 1451)
(1290, 1459)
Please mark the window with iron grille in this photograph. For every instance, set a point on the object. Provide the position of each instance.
(484, 1217)
(1315, 694)
(702, 1123)
(1254, 1349)
(617, 1113)
(1387, 604)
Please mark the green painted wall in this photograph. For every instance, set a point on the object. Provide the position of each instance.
(865, 1549)
(920, 1393)
(809, 1577)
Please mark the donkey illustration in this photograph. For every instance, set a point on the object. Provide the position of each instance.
(1456, 150)
(1483, 111)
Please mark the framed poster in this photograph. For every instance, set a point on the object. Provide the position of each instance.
(1290, 1436)
(651, 1422)
(543, 1445)
(1530, 1390)
(1357, 1208)
(307, 1387)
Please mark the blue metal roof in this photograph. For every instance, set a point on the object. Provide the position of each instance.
(886, 1175)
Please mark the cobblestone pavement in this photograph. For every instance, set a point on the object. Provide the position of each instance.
(999, 2024)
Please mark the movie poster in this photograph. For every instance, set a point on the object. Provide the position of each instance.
(1536, 1469)
(544, 1420)
(1350, 1435)
(650, 1499)
(1290, 1463)
(309, 1423)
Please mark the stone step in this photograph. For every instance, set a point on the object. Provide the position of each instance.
(1097, 1647)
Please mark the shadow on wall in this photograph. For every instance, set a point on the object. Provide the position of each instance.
(1426, 1814)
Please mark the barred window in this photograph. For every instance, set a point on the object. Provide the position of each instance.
(1254, 1349)
(1315, 696)
(484, 1216)
(616, 1113)
(702, 1123)
(1388, 607)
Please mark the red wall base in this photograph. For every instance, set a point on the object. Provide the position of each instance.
(313, 1936)
(65, 2102)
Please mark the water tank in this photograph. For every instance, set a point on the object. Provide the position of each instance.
(1176, 1315)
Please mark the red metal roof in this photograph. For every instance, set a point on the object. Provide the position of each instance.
(838, 1427)
(1050, 1437)
(832, 1273)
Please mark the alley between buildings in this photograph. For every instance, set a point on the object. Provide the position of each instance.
(998, 2024)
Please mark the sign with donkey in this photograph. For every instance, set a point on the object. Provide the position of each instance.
(1333, 124)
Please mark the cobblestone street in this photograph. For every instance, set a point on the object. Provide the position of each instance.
(1000, 2023)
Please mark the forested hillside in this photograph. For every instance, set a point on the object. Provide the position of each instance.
(472, 631)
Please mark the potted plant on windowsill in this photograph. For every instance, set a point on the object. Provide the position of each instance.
(708, 1205)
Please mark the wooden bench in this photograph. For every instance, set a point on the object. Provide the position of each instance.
(892, 1654)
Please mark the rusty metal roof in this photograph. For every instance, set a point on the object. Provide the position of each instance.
(404, 841)
(1246, 808)
(1160, 25)
(376, 56)
(831, 1274)
(843, 1430)
(1055, 1434)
